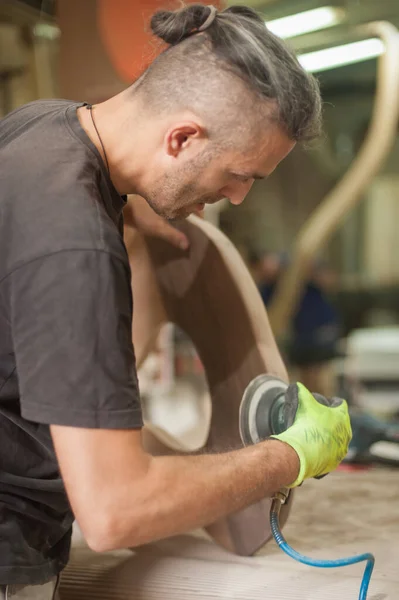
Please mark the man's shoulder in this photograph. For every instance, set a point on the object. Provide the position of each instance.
(39, 107)
(33, 116)
(40, 150)
(51, 192)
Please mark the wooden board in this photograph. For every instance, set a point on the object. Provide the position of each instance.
(360, 519)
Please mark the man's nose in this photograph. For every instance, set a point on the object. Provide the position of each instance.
(238, 192)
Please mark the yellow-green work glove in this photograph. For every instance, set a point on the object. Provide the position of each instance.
(320, 434)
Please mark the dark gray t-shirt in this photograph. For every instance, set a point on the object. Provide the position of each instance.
(66, 354)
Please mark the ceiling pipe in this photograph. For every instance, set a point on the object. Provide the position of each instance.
(348, 192)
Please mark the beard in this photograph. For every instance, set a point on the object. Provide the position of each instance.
(173, 201)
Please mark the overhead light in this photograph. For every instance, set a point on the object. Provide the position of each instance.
(338, 56)
(46, 31)
(305, 22)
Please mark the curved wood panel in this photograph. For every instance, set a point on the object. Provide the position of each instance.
(208, 292)
(347, 193)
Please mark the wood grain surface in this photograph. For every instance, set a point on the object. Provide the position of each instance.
(208, 292)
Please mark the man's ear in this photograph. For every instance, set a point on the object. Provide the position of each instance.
(181, 136)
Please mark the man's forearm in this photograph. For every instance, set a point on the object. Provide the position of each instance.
(182, 493)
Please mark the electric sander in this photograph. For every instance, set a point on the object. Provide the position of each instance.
(267, 408)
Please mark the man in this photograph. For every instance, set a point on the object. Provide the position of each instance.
(220, 108)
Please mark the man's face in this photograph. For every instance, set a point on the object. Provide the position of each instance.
(206, 176)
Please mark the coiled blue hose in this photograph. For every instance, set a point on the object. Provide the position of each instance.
(328, 564)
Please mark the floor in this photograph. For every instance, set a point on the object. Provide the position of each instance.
(341, 515)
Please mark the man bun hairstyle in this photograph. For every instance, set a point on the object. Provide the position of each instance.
(237, 40)
(174, 27)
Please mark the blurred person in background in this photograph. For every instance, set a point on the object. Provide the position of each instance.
(314, 331)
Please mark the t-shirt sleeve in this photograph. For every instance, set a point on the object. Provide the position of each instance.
(71, 319)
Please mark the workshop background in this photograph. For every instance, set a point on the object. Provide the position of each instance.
(91, 49)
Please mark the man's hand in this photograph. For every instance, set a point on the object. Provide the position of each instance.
(321, 432)
(139, 214)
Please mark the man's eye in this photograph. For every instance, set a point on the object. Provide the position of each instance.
(242, 178)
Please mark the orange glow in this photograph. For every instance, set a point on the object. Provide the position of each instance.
(124, 29)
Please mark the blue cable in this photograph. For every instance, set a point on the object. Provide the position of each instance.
(328, 564)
